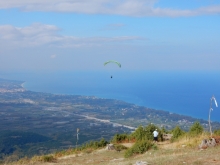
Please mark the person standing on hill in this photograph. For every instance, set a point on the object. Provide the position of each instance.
(155, 133)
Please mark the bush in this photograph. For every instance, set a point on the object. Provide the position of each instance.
(94, 144)
(48, 158)
(149, 132)
(139, 134)
(119, 138)
(177, 132)
(119, 147)
(139, 147)
(146, 133)
(163, 130)
(196, 129)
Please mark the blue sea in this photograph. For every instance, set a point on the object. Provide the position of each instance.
(183, 92)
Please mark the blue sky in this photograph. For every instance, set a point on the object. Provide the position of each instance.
(56, 35)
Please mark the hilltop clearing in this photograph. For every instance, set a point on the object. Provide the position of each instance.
(193, 147)
(166, 154)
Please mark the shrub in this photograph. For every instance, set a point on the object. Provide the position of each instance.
(48, 158)
(142, 133)
(149, 132)
(119, 147)
(94, 144)
(139, 147)
(139, 134)
(177, 132)
(119, 138)
(163, 130)
(196, 129)
(102, 142)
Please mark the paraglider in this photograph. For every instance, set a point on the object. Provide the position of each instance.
(111, 61)
(114, 62)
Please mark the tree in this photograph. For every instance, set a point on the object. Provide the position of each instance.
(139, 134)
(196, 129)
(146, 133)
(177, 132)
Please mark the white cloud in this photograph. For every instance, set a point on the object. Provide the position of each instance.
(118, 7)
(41, 34)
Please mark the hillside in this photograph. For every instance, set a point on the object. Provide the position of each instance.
(167, 154)
(53, 120)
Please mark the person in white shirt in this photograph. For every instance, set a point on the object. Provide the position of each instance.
(155, 133)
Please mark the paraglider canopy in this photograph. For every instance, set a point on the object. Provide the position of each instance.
(115, 63)
(111, 61)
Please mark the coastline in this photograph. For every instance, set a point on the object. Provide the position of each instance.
(186, 94)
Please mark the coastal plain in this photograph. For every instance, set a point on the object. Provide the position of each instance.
(36, 123)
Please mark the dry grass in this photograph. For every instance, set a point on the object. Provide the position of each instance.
(183, 152)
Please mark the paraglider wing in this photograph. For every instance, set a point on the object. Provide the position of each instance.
(111, 61)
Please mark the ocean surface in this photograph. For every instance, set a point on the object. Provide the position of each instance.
(187, 93)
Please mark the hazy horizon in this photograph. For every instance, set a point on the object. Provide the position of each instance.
(75, 35)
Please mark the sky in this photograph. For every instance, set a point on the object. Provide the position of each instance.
(59, 35)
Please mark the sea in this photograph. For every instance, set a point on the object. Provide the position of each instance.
(182, 92)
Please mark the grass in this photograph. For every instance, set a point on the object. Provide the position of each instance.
(183, 151)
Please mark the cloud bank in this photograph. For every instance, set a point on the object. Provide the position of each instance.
(140, 8)
(40, 34)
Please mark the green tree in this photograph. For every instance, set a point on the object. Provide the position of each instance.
(102, 142)
(177, 132)
(139, 134)
(149, 132)
(146, 133)
(163, 130)
(196, 129)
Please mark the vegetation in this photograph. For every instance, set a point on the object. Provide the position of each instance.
(139, 147)
(196, 129)
(87, 148)
(217, 132)
(119, 138)
(177, 132)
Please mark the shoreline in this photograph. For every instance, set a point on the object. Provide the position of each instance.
(87, 95)
(145, 98)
